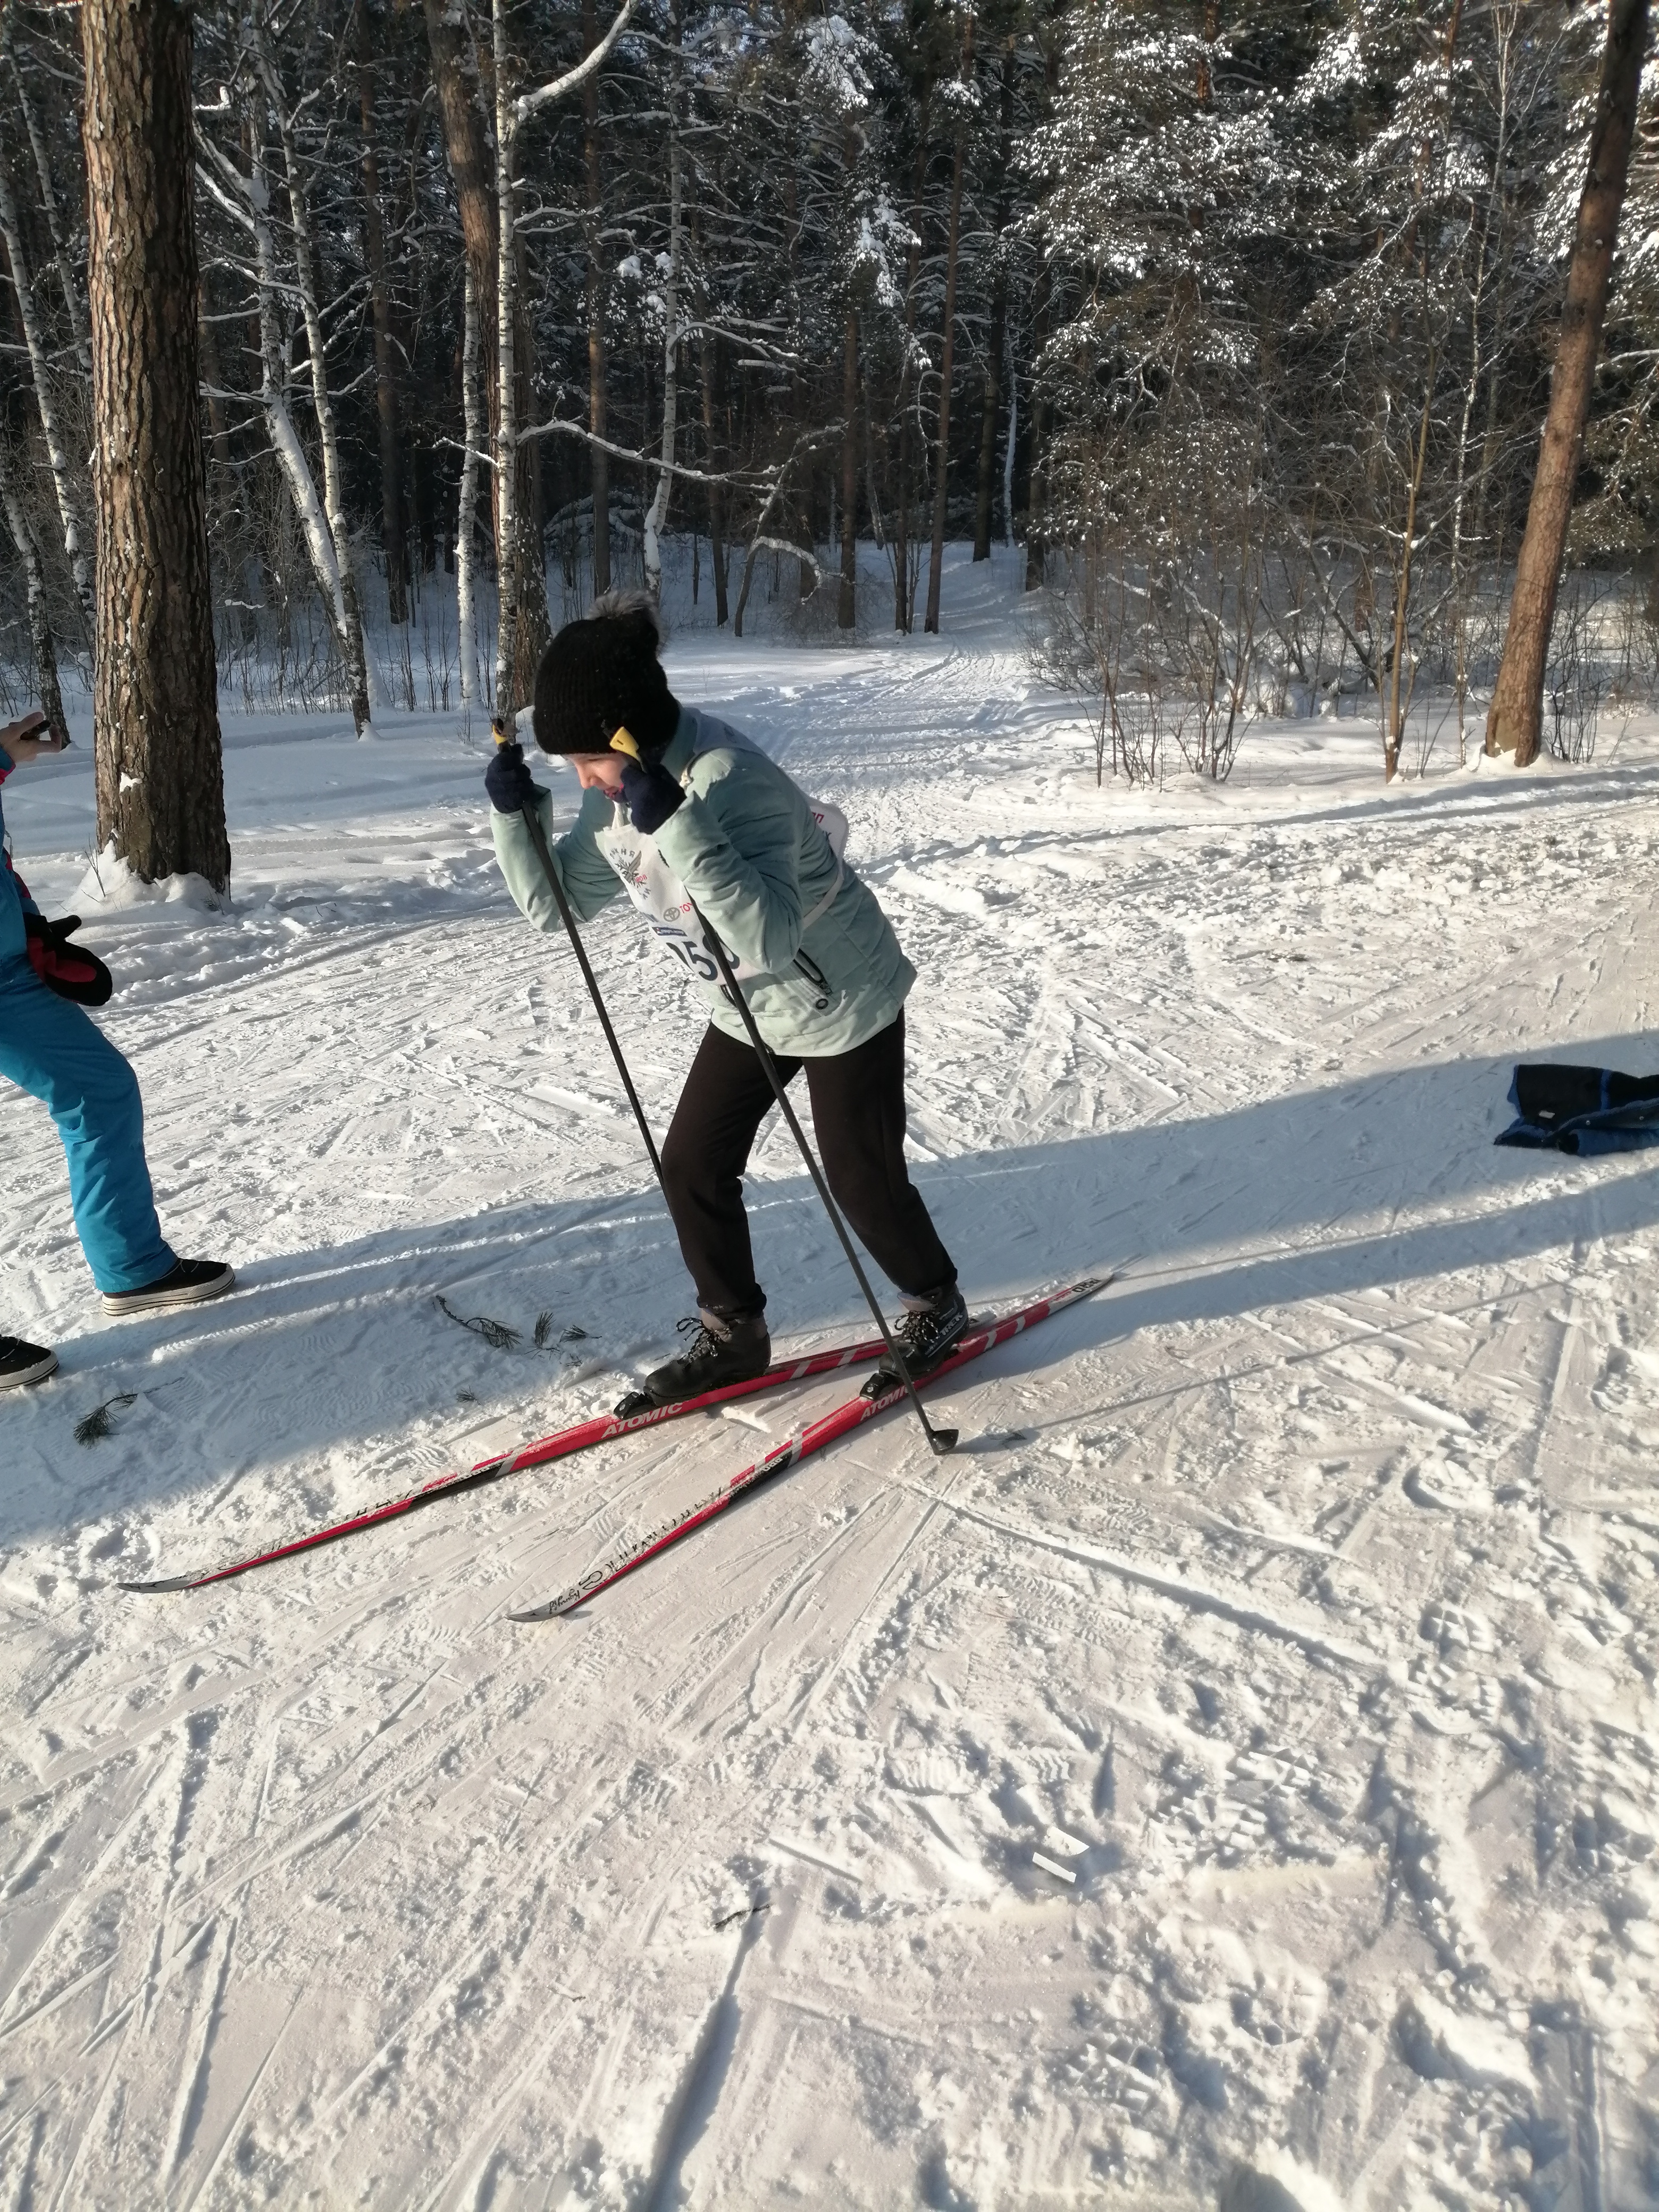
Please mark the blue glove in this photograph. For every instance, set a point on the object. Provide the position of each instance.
(511, 786)
(650, 795)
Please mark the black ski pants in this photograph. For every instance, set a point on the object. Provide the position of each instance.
(858, 1113)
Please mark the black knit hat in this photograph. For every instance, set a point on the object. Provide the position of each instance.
(602, 674)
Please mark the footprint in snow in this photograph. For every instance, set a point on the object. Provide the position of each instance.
(1441, 1485)
(929, 1774)
(1456, 1631)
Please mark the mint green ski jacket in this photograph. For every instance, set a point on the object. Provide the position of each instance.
(750, 852)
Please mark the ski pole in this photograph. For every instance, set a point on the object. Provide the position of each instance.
(538, 839)
(942, 1440)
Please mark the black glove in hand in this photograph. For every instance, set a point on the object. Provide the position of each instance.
(511, 786)
(69, 969)
(650, 795)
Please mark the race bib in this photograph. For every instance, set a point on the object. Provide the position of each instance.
(664, 901)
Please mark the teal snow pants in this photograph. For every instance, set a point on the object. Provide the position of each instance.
(55, 1052)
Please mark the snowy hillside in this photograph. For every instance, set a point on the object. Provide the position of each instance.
(1297, 1596)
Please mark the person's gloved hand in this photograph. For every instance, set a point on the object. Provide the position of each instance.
(69, 969)
(511, 786)
(650, 794)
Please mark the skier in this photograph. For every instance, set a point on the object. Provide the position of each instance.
(50, 1048)
(702, 819)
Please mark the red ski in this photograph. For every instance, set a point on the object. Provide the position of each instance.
(602, 1429)
(805, 1441)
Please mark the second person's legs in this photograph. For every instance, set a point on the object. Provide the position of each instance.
(51, 1049)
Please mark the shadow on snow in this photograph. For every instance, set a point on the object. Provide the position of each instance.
(1385, 1180)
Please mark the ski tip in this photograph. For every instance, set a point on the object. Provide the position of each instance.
(540, 1613)
(160, 1588)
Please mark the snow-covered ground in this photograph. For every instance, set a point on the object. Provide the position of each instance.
(1299, 1594)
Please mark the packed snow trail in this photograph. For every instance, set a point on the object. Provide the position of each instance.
(1299, 1597)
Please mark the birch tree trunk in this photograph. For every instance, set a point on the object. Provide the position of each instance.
(40, 638)
(155, 714)
(273, 396)
(466, 521)
(509, 697)
(80, 335)
(598, 411)
(1514, 720)
(903, 613)
(359, 675)
(1397, 704)
(58, 458)
(657, 514)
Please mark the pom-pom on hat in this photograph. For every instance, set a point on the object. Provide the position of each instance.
(602, 674)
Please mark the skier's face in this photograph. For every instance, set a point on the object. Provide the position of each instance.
(598, 771)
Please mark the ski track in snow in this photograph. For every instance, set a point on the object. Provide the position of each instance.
(1298, 1595)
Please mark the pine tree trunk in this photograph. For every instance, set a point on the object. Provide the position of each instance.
(1036, 503)
(952, 257)
(1041, 324)
(598, 411)
(707, 347)
(846, 605)
(385, 359)
(985, 499)
(159, 771)
(1514, 720)
(213, 380)
(990, 405)
(469, 168)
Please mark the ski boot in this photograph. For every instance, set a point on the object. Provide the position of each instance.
(726, 1348)
(934, 1323)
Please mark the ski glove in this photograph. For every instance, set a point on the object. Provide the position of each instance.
(650, 795)
(69, 969)
(511, 786)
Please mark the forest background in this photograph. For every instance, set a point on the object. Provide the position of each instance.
(1238, 319)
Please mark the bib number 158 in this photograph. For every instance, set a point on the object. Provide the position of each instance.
(697, 958)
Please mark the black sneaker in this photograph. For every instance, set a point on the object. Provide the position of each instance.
(722, 1351)
(187, 1283)
(933, 1324)
(21, 1363)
